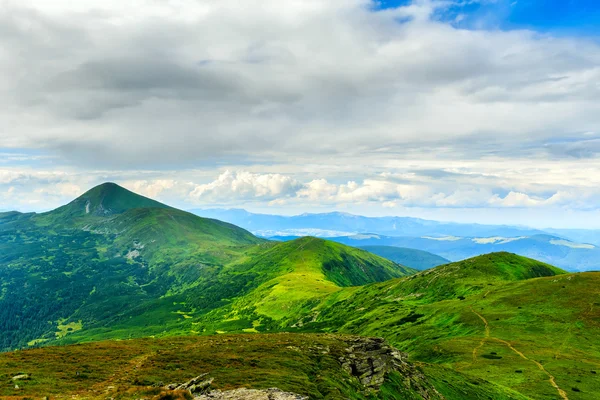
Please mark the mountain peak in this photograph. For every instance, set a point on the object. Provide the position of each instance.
(505, 266)
(108, 199)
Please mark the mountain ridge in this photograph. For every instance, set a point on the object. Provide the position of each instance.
(111, 251)
(345, 222)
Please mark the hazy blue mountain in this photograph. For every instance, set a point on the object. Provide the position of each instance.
(417, 259)
(566, 254)
(578, 235)
(572, 249)
(344, 224)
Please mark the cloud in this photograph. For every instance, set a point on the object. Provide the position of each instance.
(302, 104)
(243, 185)
(177, 83)
(30, 190)
(152, 189)
(476, 192)
(577, 148)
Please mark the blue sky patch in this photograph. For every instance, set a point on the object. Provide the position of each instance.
(568, 17)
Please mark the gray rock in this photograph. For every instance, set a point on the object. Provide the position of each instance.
(251, 394)
(197, 385)
(370, 360)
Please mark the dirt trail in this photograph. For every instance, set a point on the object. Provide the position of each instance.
(561, 392)
(487, 335)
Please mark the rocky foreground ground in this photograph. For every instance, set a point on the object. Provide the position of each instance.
(367, 359)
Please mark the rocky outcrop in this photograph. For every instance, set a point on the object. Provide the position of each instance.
(251, 394)
(370, 360)
(200, 388)
(198, 385)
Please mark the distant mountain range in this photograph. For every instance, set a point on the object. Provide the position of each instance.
(452, 241)
(551, 249)
(343, 224)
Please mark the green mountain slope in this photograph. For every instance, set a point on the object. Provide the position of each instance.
(266, 289)
(466, 277)
(528, 327)
(417, 259)
(522, 324)
(514, 321)
(66, 269)
(112, 256)
(339, 264)
(103, 200)
(308, 269)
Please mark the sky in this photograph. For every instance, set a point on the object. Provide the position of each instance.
(461, 110)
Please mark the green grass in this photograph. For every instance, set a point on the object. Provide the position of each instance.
(533, 309)
(308, 270)
(114, 263)
(300, 363)
(438, 317)
(64, 329)
(275, 283)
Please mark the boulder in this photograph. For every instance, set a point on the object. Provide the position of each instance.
(197, 385)
(370, 360)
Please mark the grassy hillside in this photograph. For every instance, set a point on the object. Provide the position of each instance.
(417, 259)
(517, 322)
(339, 264)
(300, 363)
(115, 264)
(488, 317)
(68, 269)
(267, 289)
(309, 270)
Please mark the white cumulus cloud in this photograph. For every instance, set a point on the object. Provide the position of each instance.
(238, 186)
